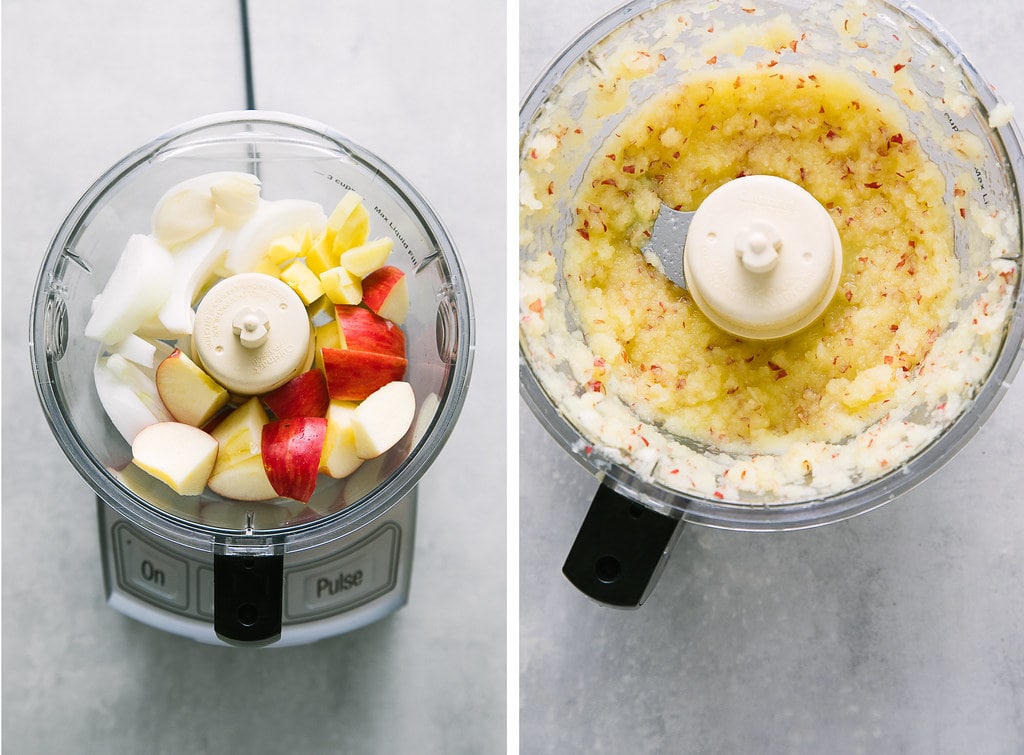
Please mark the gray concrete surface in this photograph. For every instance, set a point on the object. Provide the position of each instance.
(422, 85)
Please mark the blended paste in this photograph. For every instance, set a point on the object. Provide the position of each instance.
(852, 151)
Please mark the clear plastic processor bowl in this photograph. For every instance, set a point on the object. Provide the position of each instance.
(294, 158)
(643, 48)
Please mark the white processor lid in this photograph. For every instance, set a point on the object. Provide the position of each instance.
(762, 257)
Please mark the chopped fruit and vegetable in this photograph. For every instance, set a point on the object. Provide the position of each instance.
(347, 401)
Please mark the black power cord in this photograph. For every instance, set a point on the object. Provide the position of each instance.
(250, 94)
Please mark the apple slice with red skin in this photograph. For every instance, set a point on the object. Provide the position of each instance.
(291, 450)
(367, 331)
(353, 375)
(386, 292)
(305, 395)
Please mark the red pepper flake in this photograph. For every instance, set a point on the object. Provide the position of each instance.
(712, 60)
(792, 45)
(941, 407)
(873, 185)
(674, 471)
(611, 157)
(780, 374)
(588, 450)
(609, 182)
(894, 327)
(629, 169)
(861, 45)
(646, 443)
(577, 131)
(773, 62)
(846, 25)
(595, 386)
(537, 306)
(830, 134)
(583, 232)
(902, 262)
(676, 154)
(719, 495)
(749, 10)
(898, 67)
(896, 138)
(849, 295)
(551, 188)
(963, 213)
(887, 359)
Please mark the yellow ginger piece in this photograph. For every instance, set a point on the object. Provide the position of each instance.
(341, 286)
(303, 280)
(365, 258)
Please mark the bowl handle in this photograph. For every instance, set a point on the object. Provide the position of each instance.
(247, 598)
(620, 550)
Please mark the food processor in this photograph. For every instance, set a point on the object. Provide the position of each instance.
(576, 109)
(266, 572)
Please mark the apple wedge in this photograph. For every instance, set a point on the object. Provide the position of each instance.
(291, 451)
(339, 458)
(243, 481)
(182, 456)
(353, 375)
(383, 419)
(386, 292)
(425, 415)
(326, 336)
(364, 330)
(134, 292)
(238, 472)
(271, 221)
(190, 395)
(305, 395)
(364, 259)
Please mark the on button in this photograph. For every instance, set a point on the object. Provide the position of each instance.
(149, 572)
